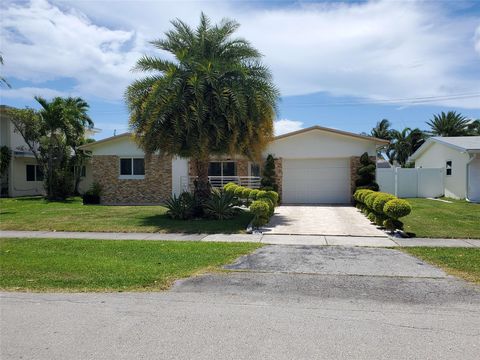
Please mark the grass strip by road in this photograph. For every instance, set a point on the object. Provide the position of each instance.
(68, 265)
(35, 213)
(461, 262)
(437, 219)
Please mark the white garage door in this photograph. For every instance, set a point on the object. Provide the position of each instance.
(316, 181)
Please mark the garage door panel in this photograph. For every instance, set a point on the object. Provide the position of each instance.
(308, 181)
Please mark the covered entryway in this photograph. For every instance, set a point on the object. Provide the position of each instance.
(316, 181)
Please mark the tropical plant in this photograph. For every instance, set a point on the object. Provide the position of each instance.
(473, 128)
(181, 207)
(53, 134)
(448, 124)
(404, 143)
(220, 205)
(214, 98)
(92, 195)
(268, 180)
(382, 130)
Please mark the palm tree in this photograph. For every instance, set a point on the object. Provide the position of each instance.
(449, 124)
(382, 130)
(63, 123)
(404, 143)
(214, 98)
(473, 128)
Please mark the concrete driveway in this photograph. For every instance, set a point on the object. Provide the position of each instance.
(335, 220)
(281, 302)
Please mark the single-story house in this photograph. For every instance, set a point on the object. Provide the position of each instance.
(313, 165)
(459, 157)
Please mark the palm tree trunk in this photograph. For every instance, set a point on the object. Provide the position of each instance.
(202, 184)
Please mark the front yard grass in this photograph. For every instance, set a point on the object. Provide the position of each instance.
(462, 262)
(39, 214)
(106, 265)
(437, 219)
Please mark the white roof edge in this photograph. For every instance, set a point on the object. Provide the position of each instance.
(99, 142)
(438, 140)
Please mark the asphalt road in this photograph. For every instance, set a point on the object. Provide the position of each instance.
(282, 302)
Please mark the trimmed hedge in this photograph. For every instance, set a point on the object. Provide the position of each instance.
(381, 208)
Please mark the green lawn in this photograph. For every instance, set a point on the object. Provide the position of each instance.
(71, 215)
(436, 219)
(462, 262)
(104, 265)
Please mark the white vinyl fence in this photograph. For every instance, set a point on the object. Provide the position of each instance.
(416, 182)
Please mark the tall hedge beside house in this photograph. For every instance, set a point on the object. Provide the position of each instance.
(366, 174)
(268, 180)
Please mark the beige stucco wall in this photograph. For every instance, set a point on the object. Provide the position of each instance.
(18, 184)
(436, 156)
(320, 144)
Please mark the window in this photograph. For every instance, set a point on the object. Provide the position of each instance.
(254, 169)
(34, 173)
(448, 167)
(222, 168)
(133, 168)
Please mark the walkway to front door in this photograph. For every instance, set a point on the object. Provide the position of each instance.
(341, 220)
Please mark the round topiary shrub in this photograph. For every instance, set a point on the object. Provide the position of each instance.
(269, 202)
(380, 201)
(239, 191)
(261, 193)
(260, 211)
(371, 216)
(246, 193)
(362, 194)
(397, 208)
(254, 193)
(230, 187)
(379, 219)
(272, 195)
(370, 198)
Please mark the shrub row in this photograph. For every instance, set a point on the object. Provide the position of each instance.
(381, 208)
(262, 204)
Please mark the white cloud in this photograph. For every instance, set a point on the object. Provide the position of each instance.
(284, 126)
(27, 93)
(376, 50)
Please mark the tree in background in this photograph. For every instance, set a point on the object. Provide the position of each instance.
(382, 130)
(53, 134)
(448, 124)
(269, 181)
(404, 143)
(214, 98)
(473, 128)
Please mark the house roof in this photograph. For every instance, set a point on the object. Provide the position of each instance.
(293, 133)
(460, 143)
(335, 131)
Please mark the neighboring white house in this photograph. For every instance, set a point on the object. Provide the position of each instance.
(24, 177)
(459, 157)
(314, 165)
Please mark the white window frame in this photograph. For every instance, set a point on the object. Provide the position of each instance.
(130, 177)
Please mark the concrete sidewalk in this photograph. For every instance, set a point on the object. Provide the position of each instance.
(275, 239)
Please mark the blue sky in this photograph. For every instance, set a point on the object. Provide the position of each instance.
(344, 65)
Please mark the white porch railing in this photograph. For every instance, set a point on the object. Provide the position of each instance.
(252, 182)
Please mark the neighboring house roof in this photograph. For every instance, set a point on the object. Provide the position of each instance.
(460, 143)
(383, 164)
(95, 143)
(335, 131)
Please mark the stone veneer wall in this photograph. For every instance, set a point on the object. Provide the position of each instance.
(155, 188)
(354, 165)
(279, 175)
